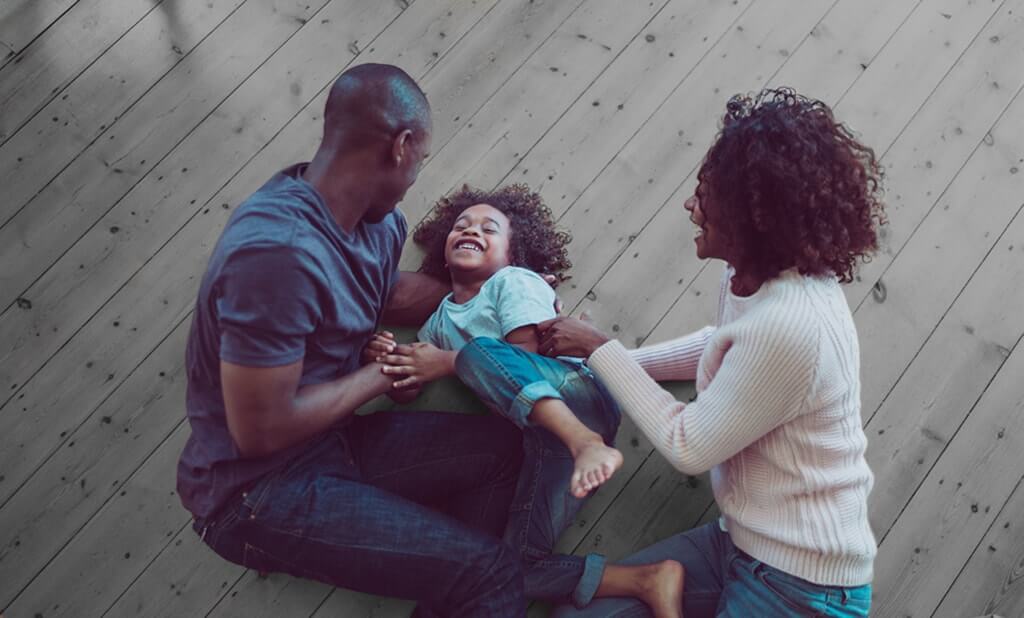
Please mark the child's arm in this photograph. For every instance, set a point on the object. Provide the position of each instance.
(524, 337)
(380, 344)
(418, 363)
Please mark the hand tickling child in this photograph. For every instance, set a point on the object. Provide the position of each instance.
(492, 245)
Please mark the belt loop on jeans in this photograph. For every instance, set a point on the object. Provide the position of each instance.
(846, 594)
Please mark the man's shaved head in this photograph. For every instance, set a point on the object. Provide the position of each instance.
(374, 101)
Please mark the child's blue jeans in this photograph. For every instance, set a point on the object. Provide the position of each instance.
(510, 381)
(725, 582)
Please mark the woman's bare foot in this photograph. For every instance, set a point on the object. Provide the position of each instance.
(662, 589)
(596, 462)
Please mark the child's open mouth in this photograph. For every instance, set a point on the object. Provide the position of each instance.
(469, 245)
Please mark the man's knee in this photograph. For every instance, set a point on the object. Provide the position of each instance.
(500, 566)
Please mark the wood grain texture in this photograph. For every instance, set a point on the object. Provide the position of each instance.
(606, 108)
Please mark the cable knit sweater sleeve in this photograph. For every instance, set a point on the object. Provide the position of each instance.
(762, 370)
(676, 359)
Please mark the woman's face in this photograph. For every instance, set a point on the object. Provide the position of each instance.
(478, 243)
(709, 244)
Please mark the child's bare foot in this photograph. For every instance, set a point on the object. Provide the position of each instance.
(596, 462)
(663, 589)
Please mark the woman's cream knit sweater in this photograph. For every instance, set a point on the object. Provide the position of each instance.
(776, 420)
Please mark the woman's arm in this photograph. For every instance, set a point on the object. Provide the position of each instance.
(759, 386)
(676, 359)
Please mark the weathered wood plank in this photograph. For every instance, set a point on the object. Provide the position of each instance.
(98, 455)
(41, 70)
(125, 240)
(645, 177)
(952, 125)
(23, 20)
(650, 167)
(825, 66)
(105, 557)
(954, 361)
(158, 198)
(992, 581)
(96, 100)
(640, 76)
(179, 582)
(957, 503)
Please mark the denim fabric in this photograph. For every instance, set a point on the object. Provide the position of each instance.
(725, 582)
(401, 504)
(510, 381)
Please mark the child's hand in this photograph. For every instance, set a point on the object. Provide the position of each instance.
(419, 363)
(380, 344)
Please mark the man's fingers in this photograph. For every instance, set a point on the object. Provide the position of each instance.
(386, 333)
(378, 346)
(394, 370)
(546, 324)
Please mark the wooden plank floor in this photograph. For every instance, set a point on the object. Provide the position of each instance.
(129, 130)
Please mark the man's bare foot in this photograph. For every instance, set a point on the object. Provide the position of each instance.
(596, 462)
(663, 589)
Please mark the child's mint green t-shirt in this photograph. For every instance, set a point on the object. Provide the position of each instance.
(511, 298)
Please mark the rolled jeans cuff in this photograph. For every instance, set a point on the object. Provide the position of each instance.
(593, 569)
(528, 397)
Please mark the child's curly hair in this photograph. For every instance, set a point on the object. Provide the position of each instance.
(789, 186)
(534, 242)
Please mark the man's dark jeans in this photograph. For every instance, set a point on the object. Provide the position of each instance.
(401, 504)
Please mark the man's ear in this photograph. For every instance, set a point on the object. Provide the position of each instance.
(400, 147)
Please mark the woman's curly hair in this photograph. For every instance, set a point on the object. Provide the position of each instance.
(534, 243)
(789, 186)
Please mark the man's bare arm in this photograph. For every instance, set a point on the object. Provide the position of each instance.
(267, 412)
(413, 298)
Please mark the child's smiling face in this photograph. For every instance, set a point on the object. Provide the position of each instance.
(478, 244)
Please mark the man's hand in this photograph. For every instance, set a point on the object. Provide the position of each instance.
(563, 336)
(418, 362)
(380, 344)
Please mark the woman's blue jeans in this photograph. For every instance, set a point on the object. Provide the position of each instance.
(723, 581)
(510, 381)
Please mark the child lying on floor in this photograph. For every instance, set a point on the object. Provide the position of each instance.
(492, 245)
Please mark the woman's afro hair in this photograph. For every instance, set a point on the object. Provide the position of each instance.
(789, 186)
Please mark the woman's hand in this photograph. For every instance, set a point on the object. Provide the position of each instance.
(418, 362)
(563, 336)
(380, 344)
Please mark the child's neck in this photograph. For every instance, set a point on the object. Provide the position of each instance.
(465, 289)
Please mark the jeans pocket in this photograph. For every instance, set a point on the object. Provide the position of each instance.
(266, 561)
(799, 598)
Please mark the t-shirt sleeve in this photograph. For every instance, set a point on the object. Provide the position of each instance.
(401, 226)
(428, 333)
(522, 298)
(266, 306)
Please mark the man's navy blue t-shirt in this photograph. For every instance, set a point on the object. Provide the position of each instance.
(285, 282)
